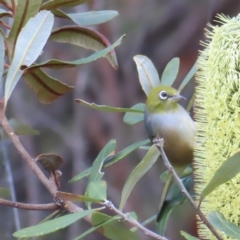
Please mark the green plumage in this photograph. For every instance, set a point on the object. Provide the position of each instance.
(165, 118)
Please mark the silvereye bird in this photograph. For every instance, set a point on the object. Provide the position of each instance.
(165, 118)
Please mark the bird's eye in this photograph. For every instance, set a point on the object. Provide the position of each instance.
(163, 95)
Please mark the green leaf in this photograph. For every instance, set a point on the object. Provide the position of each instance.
(188, 77)
(94, 228)
(47, 88)
(19, 128)
(163, 176)
(162, 224)
(33, 37)
(173, 199)
(219, 221)
(107, 108)
(133, 215)
(147, 221)
(4, 192)
(112, 159)
(2, 56)
(191, 102)
(97, 190)
(51, 5)
(228, 170)
(147, 162)
(188, 236)
(76, 198)
(87, 19)
(115, 230)
(25, 9)
(96, 174)
(133, 118)
(53, 225)
(147, 73)
(84, 37)
(55, 63)
(170, 72)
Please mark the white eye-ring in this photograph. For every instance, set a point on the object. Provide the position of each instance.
(163, 95)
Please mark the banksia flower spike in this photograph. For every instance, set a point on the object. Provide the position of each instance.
(217, 114)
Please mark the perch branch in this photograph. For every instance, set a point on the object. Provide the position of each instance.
(26, 206)
(159, 145)
(133, 222)
(69, 206)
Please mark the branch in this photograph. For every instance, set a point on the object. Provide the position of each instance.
(159, 145)
(26, 206)
(133, 222)
(69, 206)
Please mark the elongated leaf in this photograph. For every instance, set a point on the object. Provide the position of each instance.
(96, 173)
(24, 11)
(133, 118)
(115, 230)
(112, 159)
(47, 88)
(51, 5)
(94, 228)
(228, 170)
(33, 37)
(84, 37)
(53, 225)
(219, 221)
(147, 221)
(7, 3)
(173, 199)
(19, 128)
(147, 162)
(86, 19)
(170, 72)
(97, 190)
(191, 102)
(10, 4)
(4, 192)
(162, 225)
(188, 77)
(4, 13)
(147, 73)
(188, 236)
(2, 56)
(108, 108)
(74, 197)
(55, 63)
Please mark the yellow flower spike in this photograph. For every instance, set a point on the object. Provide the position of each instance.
(217, 113)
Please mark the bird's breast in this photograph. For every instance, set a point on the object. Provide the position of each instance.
(177, 129)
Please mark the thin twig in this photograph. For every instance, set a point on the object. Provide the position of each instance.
(27, 206)
(178, 181)
(69, 206)
(133, 222)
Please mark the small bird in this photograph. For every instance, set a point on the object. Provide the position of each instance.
(165, 118)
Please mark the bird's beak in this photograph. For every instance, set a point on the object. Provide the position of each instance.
(178, 97)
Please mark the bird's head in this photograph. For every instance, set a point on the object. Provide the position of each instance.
(162, 99)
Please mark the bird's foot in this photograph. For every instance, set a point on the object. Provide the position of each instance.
(158, 141)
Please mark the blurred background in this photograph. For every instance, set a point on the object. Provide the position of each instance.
(158, 29)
